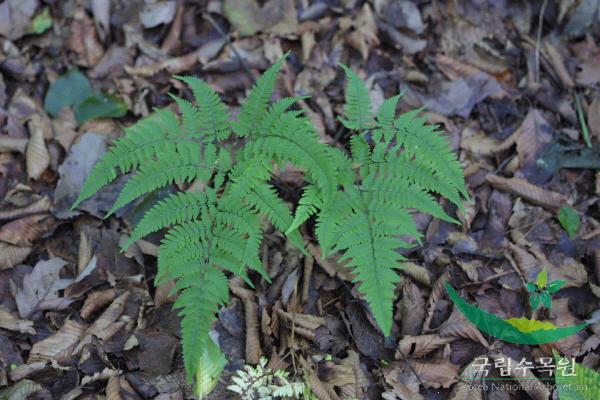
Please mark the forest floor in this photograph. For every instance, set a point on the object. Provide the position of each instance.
(515, 84)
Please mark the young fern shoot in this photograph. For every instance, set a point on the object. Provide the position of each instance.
(362, 201)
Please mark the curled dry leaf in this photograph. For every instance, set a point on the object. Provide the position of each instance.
(84, 253)
(12, 255)
(321, 389)
(39, 206)
(467, 388)
(253, 349)
(96, 301)
(435, 374)
(10, 144)
(118, 388)
(403, 381)
(417, 272)
(436, 294)
(103, 375)
(12, 323)
(26, 230)
(349, 377)
(410, 312)
(419, 346)
(534, 194)
(36, 156)
(40, 288)
(84, 41)
(60, 345)
(458, 326)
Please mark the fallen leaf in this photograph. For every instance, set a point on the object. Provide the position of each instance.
(419, 346)
(10, 144)
(530, 384)
(100, 105)
(457, 325)
(593, 118)
(532, 193)
(96, 301)
(36, 156)
(101, 12)
(348, 376)
(58, 346)
(26, 230)
(157, 13)
(275, 16)
(15, 17)
(39, 206)
(12, 323)
(68, 90)
(21, 390)
(468, 388)
(12, 255)
(40, 288)
(361, 31)
(84, 40)
(403, 381)
(410, 311)
(437, 373)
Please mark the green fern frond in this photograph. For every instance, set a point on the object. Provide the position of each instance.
(255, 106)
(358, 109)
(361, 199)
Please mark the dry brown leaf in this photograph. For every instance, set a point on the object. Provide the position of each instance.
(534, 388)
(12, 323)
(307, 321)
(436, 293)
(363, 31)
(458, 326)
(10, 144)
(23, 389)
(417, 272)
(58, 346)
(24, 370)
(435, 374)
(534, 194)
(528, 266)
(593, 120)
(403, 382)
(84, 254)
(39, 206)
(40, 288)
(12, 255)
(419, 346)
(103, 375)
(26, 230)
(349, 377)
(467, 388)
(164, 294)
(321, 389)
(96, 301)
(410, 312)
(571, 345)
(329, 264)
(477, 142)
(36, 156)
(278, 17)
(84, 40)
(558, 65)
(530, 136)
(118, 388)
(65, 128)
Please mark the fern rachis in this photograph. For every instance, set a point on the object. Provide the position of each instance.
(361, 200)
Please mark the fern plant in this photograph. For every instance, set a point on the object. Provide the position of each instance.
(361, 199)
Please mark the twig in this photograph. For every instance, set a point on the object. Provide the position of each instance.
(229, 43)
(584, 129)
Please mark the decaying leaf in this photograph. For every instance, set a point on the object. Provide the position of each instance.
(349, 377)
(96, 301)
(40, 288)
(362, 31)
(534, 388)
(436, 294)
(437, 373)
(118, 388)
(20, 390)
(275, 16)
(10, 144)
(403, 381)
(84, 40)
(410, 311)
(467, 387)
(12, 323)
(60, 345)
(532, 193)
(419, 346)
(39, 206)
(458, 326)
(417, 272)
(12, 255)
(37, 155)
(321, 389)
(26, 230)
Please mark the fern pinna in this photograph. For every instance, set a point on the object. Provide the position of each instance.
(361, 200)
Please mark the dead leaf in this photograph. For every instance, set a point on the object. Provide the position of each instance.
(37, 155)
(458, 326)
(58, 346)
(417, 272)
(96, 301)
(361, 31)
(467, 387)
(419, 346)
(10, 144)
(15, 17)
(118, 388)
(101, 12)
(437, 373)
(535, 388)
(321, 389)
(403, 381)
(39, 206)
(157, 13)
(21, 390)
(532, 193)
(40, 288)
(593, 118)
(12, 323)
(12, 255)
(348, 376)
(410, 311)
(84, 40)
(26, 230)
(590, 72)
(275, 16)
